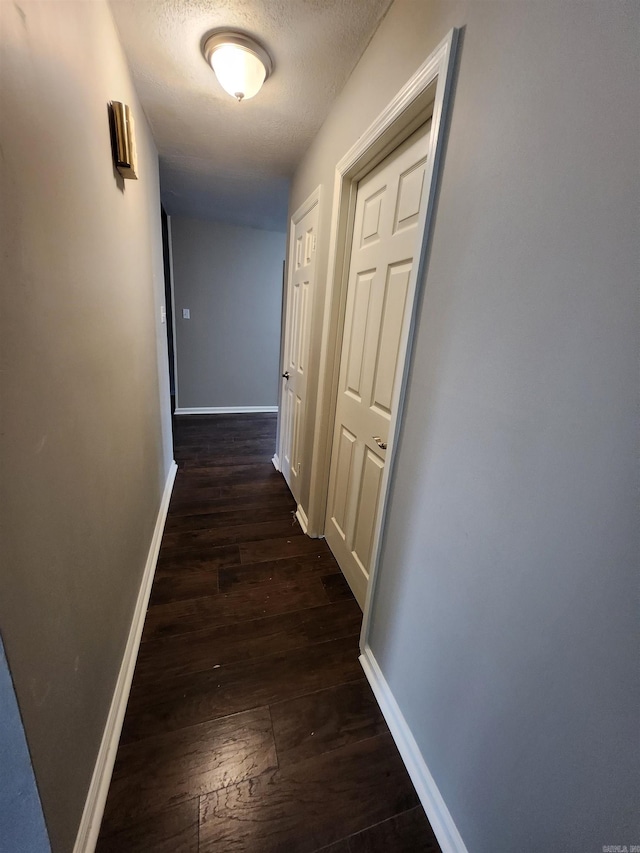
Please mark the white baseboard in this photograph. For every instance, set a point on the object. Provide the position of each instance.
(97, 796)
(302, 518)
(276, 462)
(227, 410)
(440, 819)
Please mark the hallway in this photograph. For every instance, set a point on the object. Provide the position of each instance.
(250, 725)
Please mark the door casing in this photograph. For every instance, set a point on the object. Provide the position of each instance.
(425, 95)
(382, 256)
(314, 200)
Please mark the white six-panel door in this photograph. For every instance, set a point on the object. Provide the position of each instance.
(300, 287)
(386, 240)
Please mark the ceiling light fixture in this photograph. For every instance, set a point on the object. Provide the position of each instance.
(240, 63)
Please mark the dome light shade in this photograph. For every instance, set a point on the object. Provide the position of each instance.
(240, 63)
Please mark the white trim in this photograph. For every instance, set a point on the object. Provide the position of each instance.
(435, 807)
(307, 205)
(283, 308)
(97, 795)
(226, 410)
(276, 462)
(302, 518)
(173, 314)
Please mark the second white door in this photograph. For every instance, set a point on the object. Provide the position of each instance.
(386, 240)
(300, 287)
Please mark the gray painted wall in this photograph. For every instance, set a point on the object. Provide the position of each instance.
(506, 616)
(21, 819)
(230, 278)
(86, 431)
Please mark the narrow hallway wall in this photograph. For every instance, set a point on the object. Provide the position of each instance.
(85, 420)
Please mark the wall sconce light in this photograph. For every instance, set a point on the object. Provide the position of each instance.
(240, 63)
(123, 140)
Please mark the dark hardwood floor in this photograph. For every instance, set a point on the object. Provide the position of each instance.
(250, 725)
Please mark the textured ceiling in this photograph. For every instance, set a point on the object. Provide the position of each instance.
(220, 159)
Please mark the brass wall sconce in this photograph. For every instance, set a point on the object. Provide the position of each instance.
(124, 143)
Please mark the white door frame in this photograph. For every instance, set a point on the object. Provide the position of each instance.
(425, 95)
(307, 205)
(283, 322)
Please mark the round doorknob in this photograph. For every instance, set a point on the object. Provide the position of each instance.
(285, 375)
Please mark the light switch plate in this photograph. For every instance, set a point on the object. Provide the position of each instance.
(186, 314)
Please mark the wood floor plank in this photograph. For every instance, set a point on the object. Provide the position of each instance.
(190, 699)
(408, 832)
(163, 771)
(201, 650)
(174, 830)
(247, 503)
(180, 586)
(257, 457)
(275, 549)
(185, 616)
(329, 719)
(233, 511)
(318, 802)
(222, 473)
(197, 559)
(249, 487)
(230, 535)
(338, 847)
(336, 586)
(229, 481)
(187, 492)
(323, 621)
(272, 572)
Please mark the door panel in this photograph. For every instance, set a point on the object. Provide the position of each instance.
(295, 316)
(395, 296)
(384, 244)
(371, 218)
(297, 425)
(286, 427)
(300, 287)
(360, 318)
(410, 190)
(344, 470)
(303, 344)
(370, 482)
